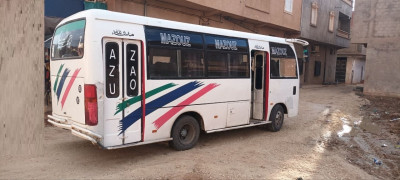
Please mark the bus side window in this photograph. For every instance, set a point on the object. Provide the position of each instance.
(163, 63)
(274, 68)
(283, 62)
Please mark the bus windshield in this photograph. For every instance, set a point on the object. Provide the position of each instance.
(68, 41)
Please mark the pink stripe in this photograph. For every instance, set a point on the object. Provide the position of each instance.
(69, 87)
(164, 118)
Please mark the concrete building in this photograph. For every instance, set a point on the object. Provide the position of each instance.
(377, 26)
(350, 64)
(21, 77)
(326, 26)
(269, 17)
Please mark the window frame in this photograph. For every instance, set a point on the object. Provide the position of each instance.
(205, 52)
(271, 58)
(314, 11)
(291, 6)
(84, 39)
(331, 25)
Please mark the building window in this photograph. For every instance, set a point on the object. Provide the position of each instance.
(317, 68)
(289, 6)
(300, 61)
(343, 26)
(314, 13)
(331, 21)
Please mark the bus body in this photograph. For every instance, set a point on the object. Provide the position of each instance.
(122, 80)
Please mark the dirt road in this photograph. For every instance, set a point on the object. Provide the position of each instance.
(302, 148)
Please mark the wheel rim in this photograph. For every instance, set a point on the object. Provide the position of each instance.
(278, 119)
(186, 134)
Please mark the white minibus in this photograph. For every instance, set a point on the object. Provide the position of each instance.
(122, 80)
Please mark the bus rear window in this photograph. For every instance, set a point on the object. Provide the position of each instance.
(68, 41)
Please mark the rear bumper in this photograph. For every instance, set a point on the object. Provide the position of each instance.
(75, 129)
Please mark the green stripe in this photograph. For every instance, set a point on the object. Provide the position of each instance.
(125, 104)
(58, 75)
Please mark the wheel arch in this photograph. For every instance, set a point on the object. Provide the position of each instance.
(193, 114)
(285, 110)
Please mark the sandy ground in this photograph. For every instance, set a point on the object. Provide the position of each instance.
(308, 146)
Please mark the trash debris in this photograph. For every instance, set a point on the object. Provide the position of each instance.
(357, 123)
(377, 161)
(367, 102)
(384, 145)
(397, 146)
(395, 119)
(387, 112)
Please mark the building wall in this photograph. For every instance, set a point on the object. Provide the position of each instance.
(21, 77)
(266, 11)
(353, 49)
(320, 32)
(355, 70)
(376, 23)
(309, 77)
(320, 36)
(62, 8)
(355, 67)
(255, 16)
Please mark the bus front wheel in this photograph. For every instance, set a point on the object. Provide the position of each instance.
(185, 133)
(276, 118)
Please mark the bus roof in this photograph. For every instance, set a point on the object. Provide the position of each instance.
(97, 14)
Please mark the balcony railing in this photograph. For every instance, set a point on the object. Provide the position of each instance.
(343, 34)
(349, 2)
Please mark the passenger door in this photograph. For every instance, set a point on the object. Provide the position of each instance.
(121, 90)
(259, 85)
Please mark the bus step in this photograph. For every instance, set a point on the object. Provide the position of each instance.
(258, 123)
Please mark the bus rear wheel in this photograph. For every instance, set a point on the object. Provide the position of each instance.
(185, 133)
(276, 118)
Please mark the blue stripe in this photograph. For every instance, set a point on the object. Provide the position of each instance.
(62, 81)
(126, 122)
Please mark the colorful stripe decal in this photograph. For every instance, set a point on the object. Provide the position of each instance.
(171, 96)
(164, 118)
(69, 87)
(125, 104)
(58, 75)
(62, 81)
(127, 121)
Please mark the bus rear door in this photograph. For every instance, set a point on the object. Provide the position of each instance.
(122, 102)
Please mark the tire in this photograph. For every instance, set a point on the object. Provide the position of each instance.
(276, 118)
(185, 133)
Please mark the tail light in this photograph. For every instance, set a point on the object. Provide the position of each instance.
(91, 117)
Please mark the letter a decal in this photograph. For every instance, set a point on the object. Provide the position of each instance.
(112, 54)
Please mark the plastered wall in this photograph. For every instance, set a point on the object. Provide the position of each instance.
(21, 77)
(268, 19)
(376, 23)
